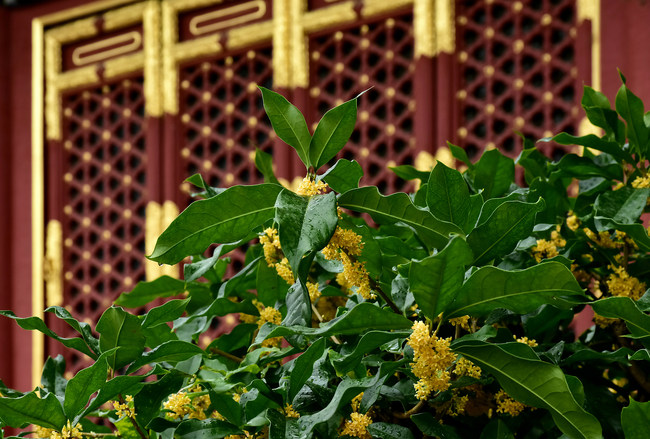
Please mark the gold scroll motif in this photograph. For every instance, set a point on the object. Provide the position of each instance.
(158, 218)
(53, 264)
(205, 23)
(117, 45)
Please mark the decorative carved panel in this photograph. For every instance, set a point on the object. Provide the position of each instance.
(518, 72)
(377, 54)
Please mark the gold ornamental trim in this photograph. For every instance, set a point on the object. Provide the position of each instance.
(249, 35)
(376, 7)
(590, 10)
(256, 9)
(169, 212)
(281, 43)
(53, 264)
(123, 65)
(337, 14)
(169, 73)
(434, 27)
(91, 53)
(151, 23)
(125, 16)
(299, 58)
(153, 213)
(445, 27)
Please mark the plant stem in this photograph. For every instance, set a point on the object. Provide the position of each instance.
(320, 319)
(226, 355)
(384, 296)
(133, 421)
(418, 407)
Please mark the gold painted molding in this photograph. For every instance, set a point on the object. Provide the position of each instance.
(87, 54)
(376, 7)
(53, 264)
(257, 9)
(281, 43)
(337, 14)
(590, 10)
(157, 218)
(434, 27)
(169, 212)
(152, 51)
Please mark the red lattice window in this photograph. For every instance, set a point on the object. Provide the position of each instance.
(518, 72)
(104, 197)
(377, 54)
(223, 118)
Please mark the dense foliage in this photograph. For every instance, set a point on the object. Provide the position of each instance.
(449, 316)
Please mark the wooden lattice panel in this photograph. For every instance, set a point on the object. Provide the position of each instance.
(377, 54)
(223, 118)
(518, 72)
(104, 196)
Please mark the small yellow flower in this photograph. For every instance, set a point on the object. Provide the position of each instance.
(68, 432)
(507, 405)
(309, 187)
(271, 245)
(572, 222)
(620, 283)
(314, 293)
(41, 432)
(356, 402)
(525, 340)
(290, 412)
(357, 426)
(284, 271)
(458, 404)
(641, 182)
(462, 321)
(124, 409)
(466, 367)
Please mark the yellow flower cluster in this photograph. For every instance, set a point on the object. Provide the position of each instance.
(68, 432)
(505, 404)
(284, 271)
(314, 293)
(458, 404)
(124, 409)
(466, 367)
(327, 306)
(604, 240)
(344, 244)
(356, 402)
(309, 187)
(572, 222)
(290, 412)
(432, 357)
(41, 432)
(270, 244)
(641, 182)
(603, 322)
(181, 404)
(620, 283)
(525, 340)
(548, 249)
(357, 426)
(271, 315)
(462, 321)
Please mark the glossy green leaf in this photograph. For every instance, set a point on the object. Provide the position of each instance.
(147, 292)
(430, 426)
(81, 387)
(119, 329)
(399, 208)
(630, 107)
(635, 419)
(368, 342)
(206, 429)
(363, 317)
(164, 313)
(521, 291)
(590, 356)
(448, 195)
(435, 280)
(196, 269)
(460, 154)
(264, 163)
(623, 206)
(36, 324)
(30, 409)
(499, 234)
(225, 218)
(592, 141)
(533, 382)
(208, 191)
(635, 231)
(332, 133)
(305, 224)
(288, 123)
(496, 429)
(640, 355)
(52, 378)
(410, 172)
(494, 173)
(581, 168)
(172, 352)
(149, 400)
(121, 384)
(343, 176)
(303, 367)
(271, 288)
(384, 430)
(82, 328)
(624, 308)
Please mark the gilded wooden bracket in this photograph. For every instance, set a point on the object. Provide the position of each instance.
(53, 264)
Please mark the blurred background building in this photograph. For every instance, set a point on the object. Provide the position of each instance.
(107, 106)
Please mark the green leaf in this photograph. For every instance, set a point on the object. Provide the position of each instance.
(36, 324)
(225, 218)
(147, 292)
(288, 123)
(303, 367)
(332, 133)
(368, 342)
(384, 430)
(448, 195)
(164, 313)
(520, 291)
(305, 225)
(635, 419)
(30, 409)
(399, 208)
(81, 387)
(624, 308)
(494, 173)
(582, 168)
(435, 280)
(264, 163)
(409, 172)
(227, 407)
(363, 317)
(82, 328)
(195, 270)
(121, 384)
(149, 400)
(172, 352)
(630, 107)
(271, 288)
(206, 429)
(198, 181)
(640, 355)
(635, 231)
(496, 429)
(499, 234)
(533, 382)
(52, 378)
(120, 329)
(623, 206)
(430, 426)
(343, 176)
(592, 141)
(460, 154)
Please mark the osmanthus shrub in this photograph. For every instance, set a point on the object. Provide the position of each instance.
(449, 317)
